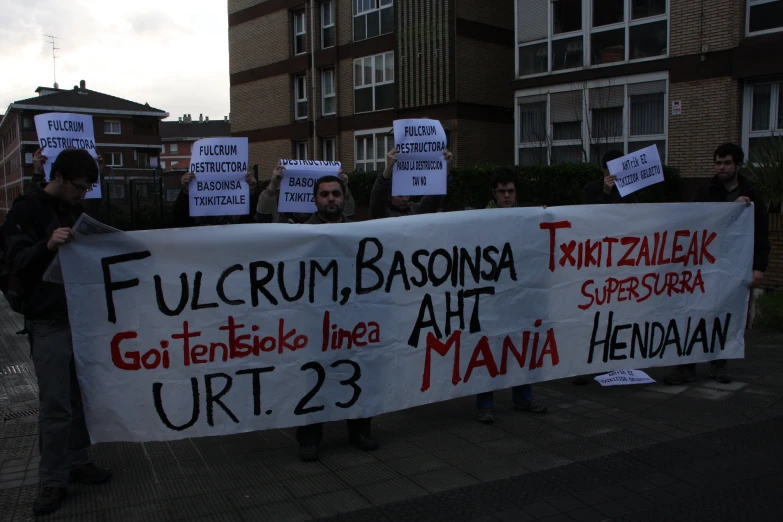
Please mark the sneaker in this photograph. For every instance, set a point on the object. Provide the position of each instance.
(308, 453)
(48, 500)
(580, 380)
(721, 375)
(485, 416)
(363, 442)
(532, 407)
(90, 474)
(679, 375)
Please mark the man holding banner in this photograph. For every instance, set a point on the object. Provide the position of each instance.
(38, 224)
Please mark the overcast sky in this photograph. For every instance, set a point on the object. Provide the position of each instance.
(172, 54)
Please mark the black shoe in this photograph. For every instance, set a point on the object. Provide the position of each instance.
(90, 474)
(48, 500)
(363, 442)
(308, 453)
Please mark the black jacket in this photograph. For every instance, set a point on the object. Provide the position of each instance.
(180, 213)
(715, 192)
(381, 208)
(28, 227)
(593, 194)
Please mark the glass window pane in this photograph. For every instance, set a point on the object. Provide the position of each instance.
(567, 53)
(329, 37)
(647, 114)
(363, 100)
(607, 123)
(360, 28)
(762, 103)
(766, 16)
(532, 157)
(532, 122)
(761, 147)
(357, 73)
(329, 106)
(566, 130)
(384, 97)
(607, 12)
(389, 60)
(645, 8)
(648, 40)
(368, 70)
(633, 146)
(597, 151)
(533, 59)
(373, 24)
(380, 146)
(359, 149)
(386, 2)
(780, 107)
(567, 154)
(567, 16)
(608, 46)
(379, 69)
(387, 20)
(301, 109)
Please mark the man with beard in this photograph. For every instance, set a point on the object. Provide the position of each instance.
(728, 185)
(330, 202)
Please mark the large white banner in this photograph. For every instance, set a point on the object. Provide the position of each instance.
(216, 330)
(58, 131)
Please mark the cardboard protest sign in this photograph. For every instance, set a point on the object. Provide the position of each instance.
(637, 170)
(210, 331)
(420, 169)
(220, 189)
(58, 131)
(624, 377)
(298, 183)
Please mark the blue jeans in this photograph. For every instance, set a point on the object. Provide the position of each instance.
(519, 395)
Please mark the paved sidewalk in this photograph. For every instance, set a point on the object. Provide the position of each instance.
(654, 452)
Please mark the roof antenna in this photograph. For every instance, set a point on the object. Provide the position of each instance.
(54, 57)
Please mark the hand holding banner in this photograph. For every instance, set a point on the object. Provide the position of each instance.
(220, 189)
(420, 169)
(299, 177)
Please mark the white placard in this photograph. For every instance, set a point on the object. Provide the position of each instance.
(226, 329)
(637, 170)
(58, 131)
(220, 189)
(420, 169)
(624, 377)
(297, 185)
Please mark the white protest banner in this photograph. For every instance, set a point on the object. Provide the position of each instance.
(220, 189)
(624, 377)
(209, 331)
(637, 170)
(58, 131)
(420, 169)
(297, 185)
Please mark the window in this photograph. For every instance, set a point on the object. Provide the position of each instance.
(330, 149)
(762, 116)
(327, 91)
(300, 32)
(112, 127)
(764, 16)
(327, 25)
(163, 164)
(373, 81)
(300, 148)
(28, 158)
(371, 148)
(559, 35)
(300, 93)
(143, 160)
(174, 147)
(372, 18)
(116, 190)
(112, 159)
(574, 125)
(163, 149)
(27, 123)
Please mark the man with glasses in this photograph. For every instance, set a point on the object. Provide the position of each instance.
(37, 225)
(330, 203)
(729, 186)
(504, 191)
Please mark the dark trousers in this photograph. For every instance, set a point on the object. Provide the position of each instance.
(62, 433)
(311, 434)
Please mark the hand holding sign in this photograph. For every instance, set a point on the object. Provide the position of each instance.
(636, 170)
(297, 178)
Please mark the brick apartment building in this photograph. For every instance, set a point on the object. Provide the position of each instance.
(178, 137)
(593, 75)
(326, 79)
(126, 133)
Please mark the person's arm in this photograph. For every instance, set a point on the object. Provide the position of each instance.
(180, 211)
(350, 204)
(253, 186)
(761, 246)
(28, 256)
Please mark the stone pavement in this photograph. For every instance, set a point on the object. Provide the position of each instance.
(702, 451)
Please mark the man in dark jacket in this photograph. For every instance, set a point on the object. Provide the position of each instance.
(180, 213)
(330, 203)
(36, 226)
(728, 185)
(383, 204)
